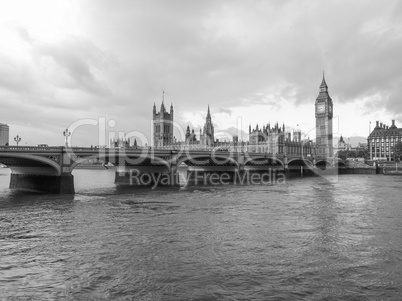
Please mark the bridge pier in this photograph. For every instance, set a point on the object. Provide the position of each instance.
(63, 184)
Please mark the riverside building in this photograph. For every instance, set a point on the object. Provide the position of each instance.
(4, 134)
(276, 140)
(382, 141)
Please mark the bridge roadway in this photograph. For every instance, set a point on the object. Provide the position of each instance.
(49, 169)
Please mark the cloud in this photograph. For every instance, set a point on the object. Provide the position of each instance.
(78, 64)
(16, 75)
(24, 34)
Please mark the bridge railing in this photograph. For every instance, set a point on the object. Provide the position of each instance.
(31, 148)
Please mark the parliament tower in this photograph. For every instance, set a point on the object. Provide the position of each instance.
(163, 125)
(323, 121)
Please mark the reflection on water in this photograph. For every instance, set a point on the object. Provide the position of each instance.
(307, 239)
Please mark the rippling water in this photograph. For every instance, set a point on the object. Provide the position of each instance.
(309, 239)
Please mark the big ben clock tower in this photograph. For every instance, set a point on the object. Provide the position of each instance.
(323, 121)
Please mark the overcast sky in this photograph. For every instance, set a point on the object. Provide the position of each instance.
(252, 61)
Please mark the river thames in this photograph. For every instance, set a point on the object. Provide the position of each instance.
(307, 239)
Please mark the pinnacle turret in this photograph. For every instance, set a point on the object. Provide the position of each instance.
(323, 85)
(163, 102)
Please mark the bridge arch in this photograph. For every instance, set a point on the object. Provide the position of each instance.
(323, 164)
(297, 161)
(194, 160)
(256, 159)
(340, 165)
(27, 163)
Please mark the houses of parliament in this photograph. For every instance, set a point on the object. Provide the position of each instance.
(273, 139)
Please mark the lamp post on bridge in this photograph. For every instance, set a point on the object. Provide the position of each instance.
(66, 134)
(17, 139)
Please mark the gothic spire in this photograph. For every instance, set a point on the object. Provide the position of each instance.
(323, 83)
(208, 115)
(163, 100)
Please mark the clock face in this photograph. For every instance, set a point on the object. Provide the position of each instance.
(320, 108)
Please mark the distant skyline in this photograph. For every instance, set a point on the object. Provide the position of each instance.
(254, 61)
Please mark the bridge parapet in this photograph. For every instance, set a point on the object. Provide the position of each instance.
(30, 149)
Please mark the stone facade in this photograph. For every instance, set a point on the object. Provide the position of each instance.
(276, 140)
(382, 141)
(162, 126)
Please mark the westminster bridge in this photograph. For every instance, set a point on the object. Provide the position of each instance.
(49, 169)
